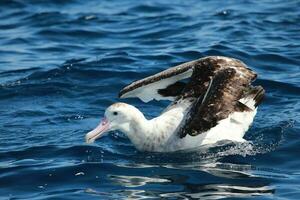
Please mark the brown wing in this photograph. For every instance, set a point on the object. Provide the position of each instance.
(166, 85)
(225, 81)
(206, 68)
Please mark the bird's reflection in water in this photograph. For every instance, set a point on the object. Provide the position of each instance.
(208, 181)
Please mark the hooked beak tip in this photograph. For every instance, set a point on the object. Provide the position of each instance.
(89, 140)
(97, 132)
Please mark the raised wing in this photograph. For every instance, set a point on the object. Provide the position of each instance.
(168, 85)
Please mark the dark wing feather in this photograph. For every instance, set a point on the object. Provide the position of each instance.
(225, 81)
(206, 68)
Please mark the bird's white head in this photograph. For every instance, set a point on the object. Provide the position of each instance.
(118, 116)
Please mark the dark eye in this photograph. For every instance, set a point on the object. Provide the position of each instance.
(115, 113)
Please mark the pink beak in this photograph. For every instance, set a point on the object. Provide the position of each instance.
(98, 131)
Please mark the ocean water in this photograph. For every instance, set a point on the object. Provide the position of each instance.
(62, 62)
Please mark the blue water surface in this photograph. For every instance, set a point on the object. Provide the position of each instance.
(62, 62)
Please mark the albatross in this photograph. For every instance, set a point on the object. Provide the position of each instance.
(212, 99)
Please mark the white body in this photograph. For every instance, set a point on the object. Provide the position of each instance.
(160, 134)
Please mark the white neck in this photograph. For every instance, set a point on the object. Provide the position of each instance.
(138, 127)
(150, 135)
